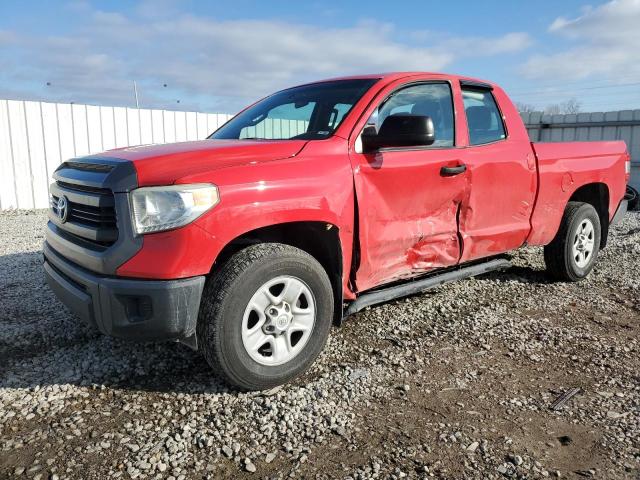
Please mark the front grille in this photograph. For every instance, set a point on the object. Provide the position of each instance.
(96, 217)
(91, 215)
(83, 188)
(94, 230)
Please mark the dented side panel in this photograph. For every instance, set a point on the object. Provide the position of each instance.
(503, 184)
(407, 214)
(496, 216)
(413, 220)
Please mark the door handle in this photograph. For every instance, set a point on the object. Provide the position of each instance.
(451, 171)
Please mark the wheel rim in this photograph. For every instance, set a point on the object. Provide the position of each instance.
(583, 243)
(278, 320)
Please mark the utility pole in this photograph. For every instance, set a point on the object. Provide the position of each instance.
(135, 91)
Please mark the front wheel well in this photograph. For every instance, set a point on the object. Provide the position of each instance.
(597, 195)
(321, 240)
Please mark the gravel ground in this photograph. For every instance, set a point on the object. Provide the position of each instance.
(455, 383)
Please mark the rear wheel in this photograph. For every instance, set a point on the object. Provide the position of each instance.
(573, 252)
(265, 316)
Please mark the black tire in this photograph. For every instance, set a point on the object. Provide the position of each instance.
(558, 255)
(226, 296)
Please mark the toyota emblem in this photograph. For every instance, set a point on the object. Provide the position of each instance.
(63, 208)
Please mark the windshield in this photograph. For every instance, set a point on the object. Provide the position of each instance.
(309, 112)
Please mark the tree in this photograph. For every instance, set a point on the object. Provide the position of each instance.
(525, 107)
(570, 106)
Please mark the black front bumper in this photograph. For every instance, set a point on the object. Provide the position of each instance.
(127, 308)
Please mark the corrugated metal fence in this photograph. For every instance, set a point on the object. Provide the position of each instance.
(621, 125)
(35, 137)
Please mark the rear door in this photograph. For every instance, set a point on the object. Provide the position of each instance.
(407, 208)
(501, 169)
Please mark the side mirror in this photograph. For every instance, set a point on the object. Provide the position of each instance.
(401, 130)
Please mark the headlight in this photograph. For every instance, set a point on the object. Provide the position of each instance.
(162, 208)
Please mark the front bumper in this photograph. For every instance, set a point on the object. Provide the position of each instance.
(126, 308)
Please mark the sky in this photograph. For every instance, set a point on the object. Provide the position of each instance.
(219, 56)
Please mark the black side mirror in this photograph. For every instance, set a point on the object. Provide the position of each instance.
(401, 130)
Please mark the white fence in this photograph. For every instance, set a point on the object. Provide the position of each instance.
(35, 137)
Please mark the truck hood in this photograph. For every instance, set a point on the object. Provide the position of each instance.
(163, 164)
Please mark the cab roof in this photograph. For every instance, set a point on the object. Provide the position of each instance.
(391, 76)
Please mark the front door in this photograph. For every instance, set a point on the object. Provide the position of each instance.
(409, 198)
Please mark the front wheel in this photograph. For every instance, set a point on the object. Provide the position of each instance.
(265, 316)
(573, 252)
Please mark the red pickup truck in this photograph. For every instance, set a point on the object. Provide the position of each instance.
(314, 203)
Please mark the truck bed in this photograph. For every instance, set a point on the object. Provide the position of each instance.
(562, 168)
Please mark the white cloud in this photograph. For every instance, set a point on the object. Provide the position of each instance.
(203, 58)
(606, 38)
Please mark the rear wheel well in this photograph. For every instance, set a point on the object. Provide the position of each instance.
(597, 195)
(319, 239)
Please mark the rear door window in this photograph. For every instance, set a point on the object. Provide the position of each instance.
(483, 116)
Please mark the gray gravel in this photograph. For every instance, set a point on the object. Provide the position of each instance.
(455, 383)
